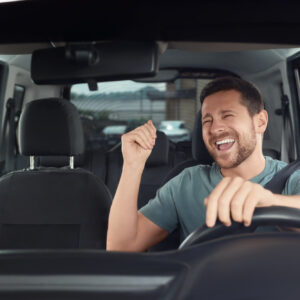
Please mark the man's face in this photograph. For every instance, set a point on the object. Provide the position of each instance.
(227, 128)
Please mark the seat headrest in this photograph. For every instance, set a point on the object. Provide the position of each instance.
(199, 151)
(160, 152)
(50, 127)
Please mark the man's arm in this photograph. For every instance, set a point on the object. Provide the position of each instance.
(237, 198)
(129, 230)
(288, 201)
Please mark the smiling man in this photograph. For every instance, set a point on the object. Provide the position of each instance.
(233, 125)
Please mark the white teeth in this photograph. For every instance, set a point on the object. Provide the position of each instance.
(225, 141)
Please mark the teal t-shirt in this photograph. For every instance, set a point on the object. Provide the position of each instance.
(180, 202)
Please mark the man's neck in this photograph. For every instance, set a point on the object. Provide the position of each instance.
(248, 169)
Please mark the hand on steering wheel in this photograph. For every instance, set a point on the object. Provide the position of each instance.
(236, 198)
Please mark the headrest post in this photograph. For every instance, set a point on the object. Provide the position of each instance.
(71, 162)
(31, 162)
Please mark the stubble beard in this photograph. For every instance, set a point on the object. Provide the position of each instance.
(245, 147)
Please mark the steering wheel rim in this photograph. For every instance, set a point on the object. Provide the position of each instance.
(275, 216)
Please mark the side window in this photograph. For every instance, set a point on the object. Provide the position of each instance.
(118, 107)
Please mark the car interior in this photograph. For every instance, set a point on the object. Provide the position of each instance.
(67, 94)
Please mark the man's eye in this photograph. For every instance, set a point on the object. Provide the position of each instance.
(206, 122)
(227, 116)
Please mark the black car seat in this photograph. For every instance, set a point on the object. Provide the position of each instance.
(52, 207)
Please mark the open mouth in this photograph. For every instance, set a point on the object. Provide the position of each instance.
(225, 144)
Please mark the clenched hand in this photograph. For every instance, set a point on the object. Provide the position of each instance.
(235, 199)
(137, 144)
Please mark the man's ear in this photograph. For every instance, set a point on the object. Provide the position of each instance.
(261, 121)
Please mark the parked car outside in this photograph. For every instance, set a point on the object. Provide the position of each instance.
(113, 134)
(176, 130)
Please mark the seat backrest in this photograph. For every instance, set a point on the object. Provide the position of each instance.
(52, 207)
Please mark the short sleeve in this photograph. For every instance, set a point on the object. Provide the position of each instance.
(161, 210)
(292, 186)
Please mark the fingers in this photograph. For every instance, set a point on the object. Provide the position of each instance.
(149, 132)
(251, 202)
(139, 137)
(152, 128)
(233, 198)
(144, 135)
(237, 202)
(212, 202)
(225, 202)
(248, 210)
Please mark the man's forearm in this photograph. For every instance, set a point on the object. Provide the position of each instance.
(288, 201)
(123, 217)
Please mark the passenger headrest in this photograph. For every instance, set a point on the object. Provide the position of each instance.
(199, 151)
(160, 152)
(50, 127)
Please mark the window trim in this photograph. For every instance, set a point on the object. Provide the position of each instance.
(3, 83)
(293, 64)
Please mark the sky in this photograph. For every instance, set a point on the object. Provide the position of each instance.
(117, 86)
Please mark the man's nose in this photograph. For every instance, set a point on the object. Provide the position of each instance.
(217, 126)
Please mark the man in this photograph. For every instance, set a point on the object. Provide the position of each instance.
(233, 125)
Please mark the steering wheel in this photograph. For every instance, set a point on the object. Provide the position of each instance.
(275, 215)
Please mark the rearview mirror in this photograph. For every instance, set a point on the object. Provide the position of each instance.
(80, 63)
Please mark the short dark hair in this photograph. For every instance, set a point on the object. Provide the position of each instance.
(251, 96)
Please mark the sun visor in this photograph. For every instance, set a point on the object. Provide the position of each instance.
(90, 63)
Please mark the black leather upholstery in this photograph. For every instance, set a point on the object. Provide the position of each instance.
(199, 151)
(50, 127)
(52, 207)
(160, 153)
